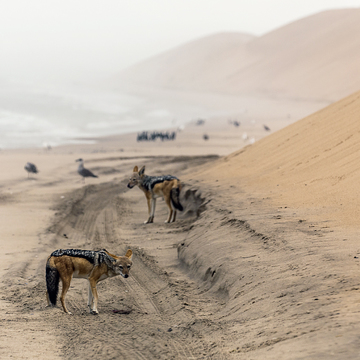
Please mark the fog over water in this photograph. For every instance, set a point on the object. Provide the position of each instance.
(55, 53)
(39, 117)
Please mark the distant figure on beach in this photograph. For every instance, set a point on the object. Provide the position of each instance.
(47, 146)
(206, 137)
(30, 168)
(266, 128)
(84, 172)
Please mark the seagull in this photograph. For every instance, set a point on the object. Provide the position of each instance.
(84, 172)
(30, 168)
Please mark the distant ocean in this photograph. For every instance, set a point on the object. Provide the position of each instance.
(40, 117)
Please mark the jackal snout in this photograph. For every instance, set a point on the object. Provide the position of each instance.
(131, 184)
(136, 177)
(124, 269)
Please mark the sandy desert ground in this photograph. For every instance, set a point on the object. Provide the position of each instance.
(262, 264)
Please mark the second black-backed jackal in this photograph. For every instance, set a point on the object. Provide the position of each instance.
(165, 186)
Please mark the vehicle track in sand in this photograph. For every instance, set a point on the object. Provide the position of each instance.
(162, 324)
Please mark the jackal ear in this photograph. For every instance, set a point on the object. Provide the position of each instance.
(135, 169)
(129, 254)
(142, 170)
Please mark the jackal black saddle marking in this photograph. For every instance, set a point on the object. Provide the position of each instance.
(94, 257)
(150, 181)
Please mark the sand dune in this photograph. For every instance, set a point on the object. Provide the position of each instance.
(311, 163)
(194, 65)
(312, 58)
(279, 239)
(315, 57)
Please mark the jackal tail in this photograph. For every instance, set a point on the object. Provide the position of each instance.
(52, 282)
(175, 198)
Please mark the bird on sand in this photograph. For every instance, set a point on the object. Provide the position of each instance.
(84, 172)
(30, 168)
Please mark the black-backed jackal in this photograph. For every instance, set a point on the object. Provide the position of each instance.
(91, 265)
(166, 186)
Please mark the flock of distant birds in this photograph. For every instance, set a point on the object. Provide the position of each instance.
(231, 122)
(82, 171)
(152, 136)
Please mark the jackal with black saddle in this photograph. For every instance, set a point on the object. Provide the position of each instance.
(87, 264)
(165, 186)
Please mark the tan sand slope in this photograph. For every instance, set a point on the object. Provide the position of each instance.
(278, 241)
(194, 65)
(311, 163)
(315, 57)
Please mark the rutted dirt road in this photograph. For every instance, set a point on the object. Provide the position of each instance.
(161, 323)
(244, 280)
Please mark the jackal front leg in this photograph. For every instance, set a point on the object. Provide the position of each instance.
(151, 210)
(94, 309)
(168, 203)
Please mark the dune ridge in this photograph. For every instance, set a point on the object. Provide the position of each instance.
(287, 62)
(310, 163)
(193, 65)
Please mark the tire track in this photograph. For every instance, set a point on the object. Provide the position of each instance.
(96, 220)
(143, 298)
(158, 327)
(105, 222)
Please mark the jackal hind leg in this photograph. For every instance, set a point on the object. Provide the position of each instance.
(174, 216)
(49, 304)
(65, 288)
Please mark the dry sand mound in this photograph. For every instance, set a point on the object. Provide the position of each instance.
(193, 65)
(278, 241)
(313, 58)
(311, 163)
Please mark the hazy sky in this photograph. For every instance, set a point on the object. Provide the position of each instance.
(102, 37)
